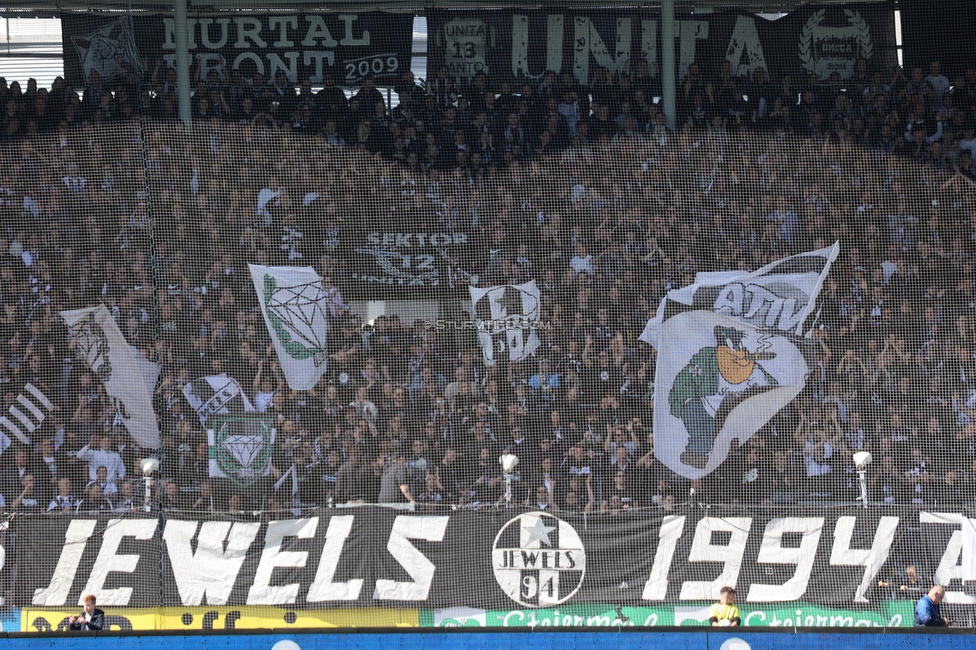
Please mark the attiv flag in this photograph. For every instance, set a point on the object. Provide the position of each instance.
(129, 378)
(779, 296)
(730, 355)
(295, 305)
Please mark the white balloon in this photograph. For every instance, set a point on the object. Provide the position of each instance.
(287, 644)
(735, 644)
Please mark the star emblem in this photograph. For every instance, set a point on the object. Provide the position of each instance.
(536, 532)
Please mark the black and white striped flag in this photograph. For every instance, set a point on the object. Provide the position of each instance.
(217, 395)
(24, 416)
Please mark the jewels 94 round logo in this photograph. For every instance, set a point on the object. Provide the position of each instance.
(538, 560)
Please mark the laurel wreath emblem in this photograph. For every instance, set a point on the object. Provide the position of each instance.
(862, 36)
(863, 33)
(294, 348)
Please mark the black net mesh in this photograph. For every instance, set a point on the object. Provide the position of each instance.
(495, 294)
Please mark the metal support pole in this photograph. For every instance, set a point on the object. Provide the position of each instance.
(862, 479)
(668, 67)
(182, 62)
(147, 505)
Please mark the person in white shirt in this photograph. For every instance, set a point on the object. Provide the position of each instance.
(64, 502)
(938, 81)
(264, 387)
(581, 261)
(98, 453)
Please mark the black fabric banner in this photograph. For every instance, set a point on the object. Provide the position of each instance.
(512, 45)
(346, 45)
(372, 556)
(938, 31)
(408, 259)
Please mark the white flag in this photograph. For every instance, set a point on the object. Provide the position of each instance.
(216, 395)
(718, 380)
(506, 317)
(779, 296)
(295, 306)
(110, 358)
(730, 357)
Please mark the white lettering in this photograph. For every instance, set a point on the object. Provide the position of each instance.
(262, 592)
(169, 33)
(212, 570)
(283, 23)
(772, 552)
(75, 541)
(248, 28)
(317, 29)
(349, 39)
(205, 32)
(871, 559)
(656, 587)
(951, 565)
(291, 70)
(789, 316)
(745, 39)
(758, 296)
(109, 562)
(323, 588)
(521, 41)
(729, 300)
(316, 58)
(588, 41)
(413, 561)
(702, 550)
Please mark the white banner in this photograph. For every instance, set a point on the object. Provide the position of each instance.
(506, 317)
(295, 306)
(718, 380)
(779, 296)
(128, 382)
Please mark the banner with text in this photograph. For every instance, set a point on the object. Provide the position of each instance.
(412, 259)
(347, 45)
(377, 557)
(521, 44)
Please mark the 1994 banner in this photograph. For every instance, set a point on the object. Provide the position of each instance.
(376, 557)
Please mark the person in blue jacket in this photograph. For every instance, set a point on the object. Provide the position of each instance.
(927, 612)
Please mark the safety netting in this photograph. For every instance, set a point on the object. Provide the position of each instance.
(507, 332)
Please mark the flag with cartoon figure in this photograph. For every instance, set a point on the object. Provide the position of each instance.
(718, 381)
(295, 305)
(731, 353)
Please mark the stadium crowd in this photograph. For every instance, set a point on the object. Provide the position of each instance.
(582, 189)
